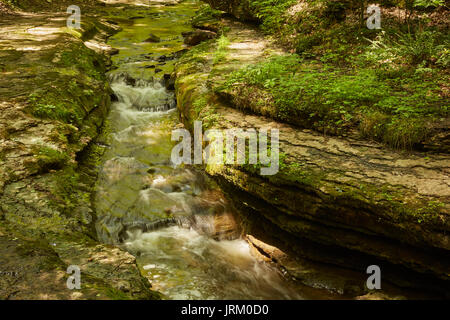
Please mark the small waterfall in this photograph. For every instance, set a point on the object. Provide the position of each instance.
(138, 187)
(141, 95)
(174, 220)
(185, 264)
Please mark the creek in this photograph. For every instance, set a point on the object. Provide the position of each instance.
(167, 216)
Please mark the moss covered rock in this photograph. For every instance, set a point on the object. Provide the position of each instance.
(353, 198)
(54, 97)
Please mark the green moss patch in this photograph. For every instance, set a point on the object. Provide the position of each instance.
(397, 111)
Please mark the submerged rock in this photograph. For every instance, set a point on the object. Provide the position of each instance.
(169, 81)
(114, 97)
(112, 51)
(152, 38)
(162, 58)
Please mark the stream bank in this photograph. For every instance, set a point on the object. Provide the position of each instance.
(341, 201)
(54, 99)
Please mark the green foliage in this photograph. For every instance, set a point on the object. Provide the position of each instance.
(428, 213)
(69, 105)
(391, 89)
(335, 10)
(395, 111)
(443, 60)
(51, 105)
(268, 73)
(331, 28)
(206, 14)
(221, 51)
(49, 111)
(222, 43)
(322, 29)
(200, 104)
(404, 131)
(428, 3)
(422, 47)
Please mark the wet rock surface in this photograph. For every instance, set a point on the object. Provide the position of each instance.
(54, 97)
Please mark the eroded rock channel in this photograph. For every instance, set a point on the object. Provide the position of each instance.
(175, 220)
(94, 185)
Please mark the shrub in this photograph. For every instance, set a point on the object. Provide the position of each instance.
(421, 47)
(271, 13)
(221, 51)
(51, 159)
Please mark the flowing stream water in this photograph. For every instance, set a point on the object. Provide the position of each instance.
(163, 214)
